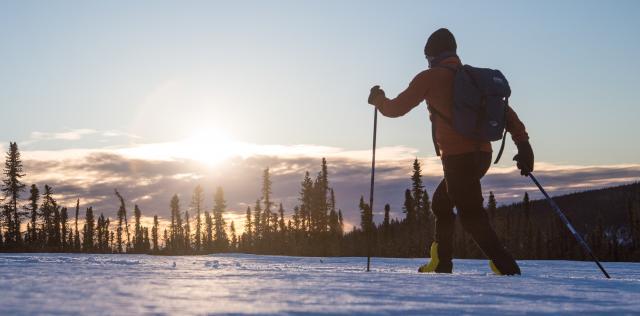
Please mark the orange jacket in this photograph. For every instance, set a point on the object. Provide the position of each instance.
(436, 87)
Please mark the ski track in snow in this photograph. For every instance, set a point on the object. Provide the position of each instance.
(248, 284)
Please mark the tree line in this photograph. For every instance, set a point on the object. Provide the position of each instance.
(314, 227)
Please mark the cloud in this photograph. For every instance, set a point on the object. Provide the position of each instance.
(74, 134)
(150, 177)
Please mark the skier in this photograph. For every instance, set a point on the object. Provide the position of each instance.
(464, 160)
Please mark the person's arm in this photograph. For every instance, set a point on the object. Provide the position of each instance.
(405, 101)
(515, 127)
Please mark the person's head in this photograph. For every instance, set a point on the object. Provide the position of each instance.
(440, 43)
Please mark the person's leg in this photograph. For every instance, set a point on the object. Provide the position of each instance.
(463, 174)
(442, 248)
(445, 219)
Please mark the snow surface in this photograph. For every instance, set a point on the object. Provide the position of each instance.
(239, 284)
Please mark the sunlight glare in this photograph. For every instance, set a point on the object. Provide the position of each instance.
(209, 146)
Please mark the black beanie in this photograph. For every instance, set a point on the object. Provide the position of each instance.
(439, 42)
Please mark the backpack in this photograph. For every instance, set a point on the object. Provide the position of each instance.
(480, 104)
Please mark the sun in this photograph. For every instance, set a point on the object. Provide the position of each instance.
(209, 146)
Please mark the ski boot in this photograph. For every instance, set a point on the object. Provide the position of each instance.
(434, 264)
(510, 269)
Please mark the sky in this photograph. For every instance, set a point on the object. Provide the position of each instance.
(212, 88)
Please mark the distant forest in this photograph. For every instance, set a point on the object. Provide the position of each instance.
(609, 219)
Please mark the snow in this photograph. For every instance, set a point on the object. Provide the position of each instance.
(239, 284)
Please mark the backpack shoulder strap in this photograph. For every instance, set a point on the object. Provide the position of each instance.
(432, 110)
(454, 69)
(504, 137)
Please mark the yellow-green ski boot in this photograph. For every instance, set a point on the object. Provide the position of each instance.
(434, 262)
(494, 268)
(512, 269)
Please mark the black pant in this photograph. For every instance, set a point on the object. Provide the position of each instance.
(461, 188)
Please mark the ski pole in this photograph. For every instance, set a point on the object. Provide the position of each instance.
(564, 219)
(373, 172)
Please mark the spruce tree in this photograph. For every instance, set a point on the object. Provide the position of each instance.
(319, 206)
(55, 233)
(332, 218)
(89, 230)
(324, 192)
(12, 186)
(176, 235)
(234, 238)
(154, 233)
(417, 188)
(27, 237)
(281, 224)
(334, 221)
(209, 232)
(427, 226)
(248, 231)
(166, 239)
(306, 195)
(297, 219)
(385, 222)
(291, 237)
(112, 239)
(122, 216)
(76, 237)
(120, 226)
(48, 207)
(64, 228)
(366, 217)
(424, 212)
(221, 239)
(100, 233)
(316, 208)
(70, 240)
(146, 243)
(274, 222)
(196, 203)
(107, 235)
(32, 208)
(172, 226)
(266, 197)
(409, 208)
(257, 222)
(187, 232)
(491, 205)
(138, 238)
(6, 213)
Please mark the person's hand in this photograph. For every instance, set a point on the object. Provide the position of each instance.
(524, 158)
(374, 94)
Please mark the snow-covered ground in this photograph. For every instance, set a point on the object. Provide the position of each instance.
(237, 284)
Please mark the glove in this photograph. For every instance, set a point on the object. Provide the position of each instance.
(524, 158)
(375, 93)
